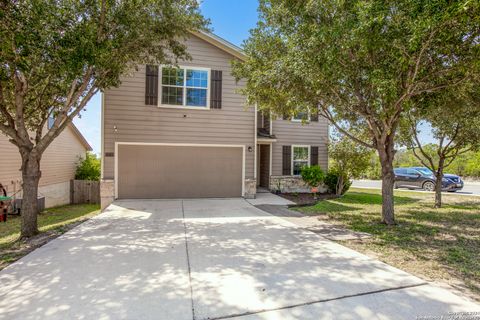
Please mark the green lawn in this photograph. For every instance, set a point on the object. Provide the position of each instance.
(52, 222)
(436, 244)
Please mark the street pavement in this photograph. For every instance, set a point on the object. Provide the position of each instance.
(470, 188)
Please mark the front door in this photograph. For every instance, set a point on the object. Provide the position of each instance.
(264, 166)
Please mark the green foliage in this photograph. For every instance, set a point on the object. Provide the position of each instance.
(364, 61)
(348, 157)
(361, 62)
(337, 182)
(468, 164)
(454, 118)
(88, 168)
(313, 175)
(465, 165)
(55, 55)
(374, 170)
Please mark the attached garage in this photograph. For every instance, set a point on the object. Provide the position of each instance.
(153, 171)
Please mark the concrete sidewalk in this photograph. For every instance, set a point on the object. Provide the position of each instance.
(208, 259)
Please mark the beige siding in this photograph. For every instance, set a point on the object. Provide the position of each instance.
(125, 109)
(58, 162)
(296, 133)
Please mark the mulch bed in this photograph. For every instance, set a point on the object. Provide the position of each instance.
(304, 199)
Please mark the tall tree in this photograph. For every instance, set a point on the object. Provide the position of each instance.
(55, 55)
(360, 62)
(454, 117)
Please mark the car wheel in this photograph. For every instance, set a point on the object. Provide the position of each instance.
(428, 186)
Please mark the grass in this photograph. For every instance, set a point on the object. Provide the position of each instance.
(436, 244)
(51, 223)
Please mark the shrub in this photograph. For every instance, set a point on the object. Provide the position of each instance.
(88, 168)
(337, 182)
(313, 176)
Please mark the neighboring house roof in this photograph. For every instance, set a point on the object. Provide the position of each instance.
(80, 137)
(221, 43)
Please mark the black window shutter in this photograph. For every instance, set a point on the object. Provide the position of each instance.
(216, 89)
(151, 85)
(314, 115)
(313, 156)
(287, 160)
(266, 121)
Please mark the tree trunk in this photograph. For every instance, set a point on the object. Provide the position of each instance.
(386, 154)
(31, 177)
(340, 185)
(438, 183)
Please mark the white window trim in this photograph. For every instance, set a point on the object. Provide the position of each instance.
(183, 107)
(292, 153)
(309, 118)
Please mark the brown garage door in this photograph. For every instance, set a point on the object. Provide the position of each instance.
(168, 172)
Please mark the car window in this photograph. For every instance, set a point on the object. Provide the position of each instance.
(399, 171)
(412, 172)
(425, 171)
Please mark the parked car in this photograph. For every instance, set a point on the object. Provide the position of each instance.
(423, 178)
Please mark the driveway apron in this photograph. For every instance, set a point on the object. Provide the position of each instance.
(208, 259)
(127, 263)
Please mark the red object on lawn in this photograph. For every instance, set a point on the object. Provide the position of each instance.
(3, 217)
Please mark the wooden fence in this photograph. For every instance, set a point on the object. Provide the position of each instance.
(84, 191)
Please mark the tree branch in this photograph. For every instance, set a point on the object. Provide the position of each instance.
(439, 87)
(21, 87)
(419, 145)
(3, 109)
(101, 22)
(327, 115)
(58, 128)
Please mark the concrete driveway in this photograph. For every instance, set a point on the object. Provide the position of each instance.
(469, 188)
(208, 259)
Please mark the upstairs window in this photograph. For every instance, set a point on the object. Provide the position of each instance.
(185, 87)
(301, 116)
(50, 120)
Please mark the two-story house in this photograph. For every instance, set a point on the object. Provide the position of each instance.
(185, 132)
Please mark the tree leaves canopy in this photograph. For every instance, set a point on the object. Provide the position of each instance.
(363, 61)
(55, 55)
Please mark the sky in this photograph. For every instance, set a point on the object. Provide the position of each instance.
(230, 20)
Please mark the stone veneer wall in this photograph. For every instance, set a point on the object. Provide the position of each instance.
(250, 188)
(291, 184)
(107, 193)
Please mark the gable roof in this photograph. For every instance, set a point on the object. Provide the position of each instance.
(80, 137)
(221, 44)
